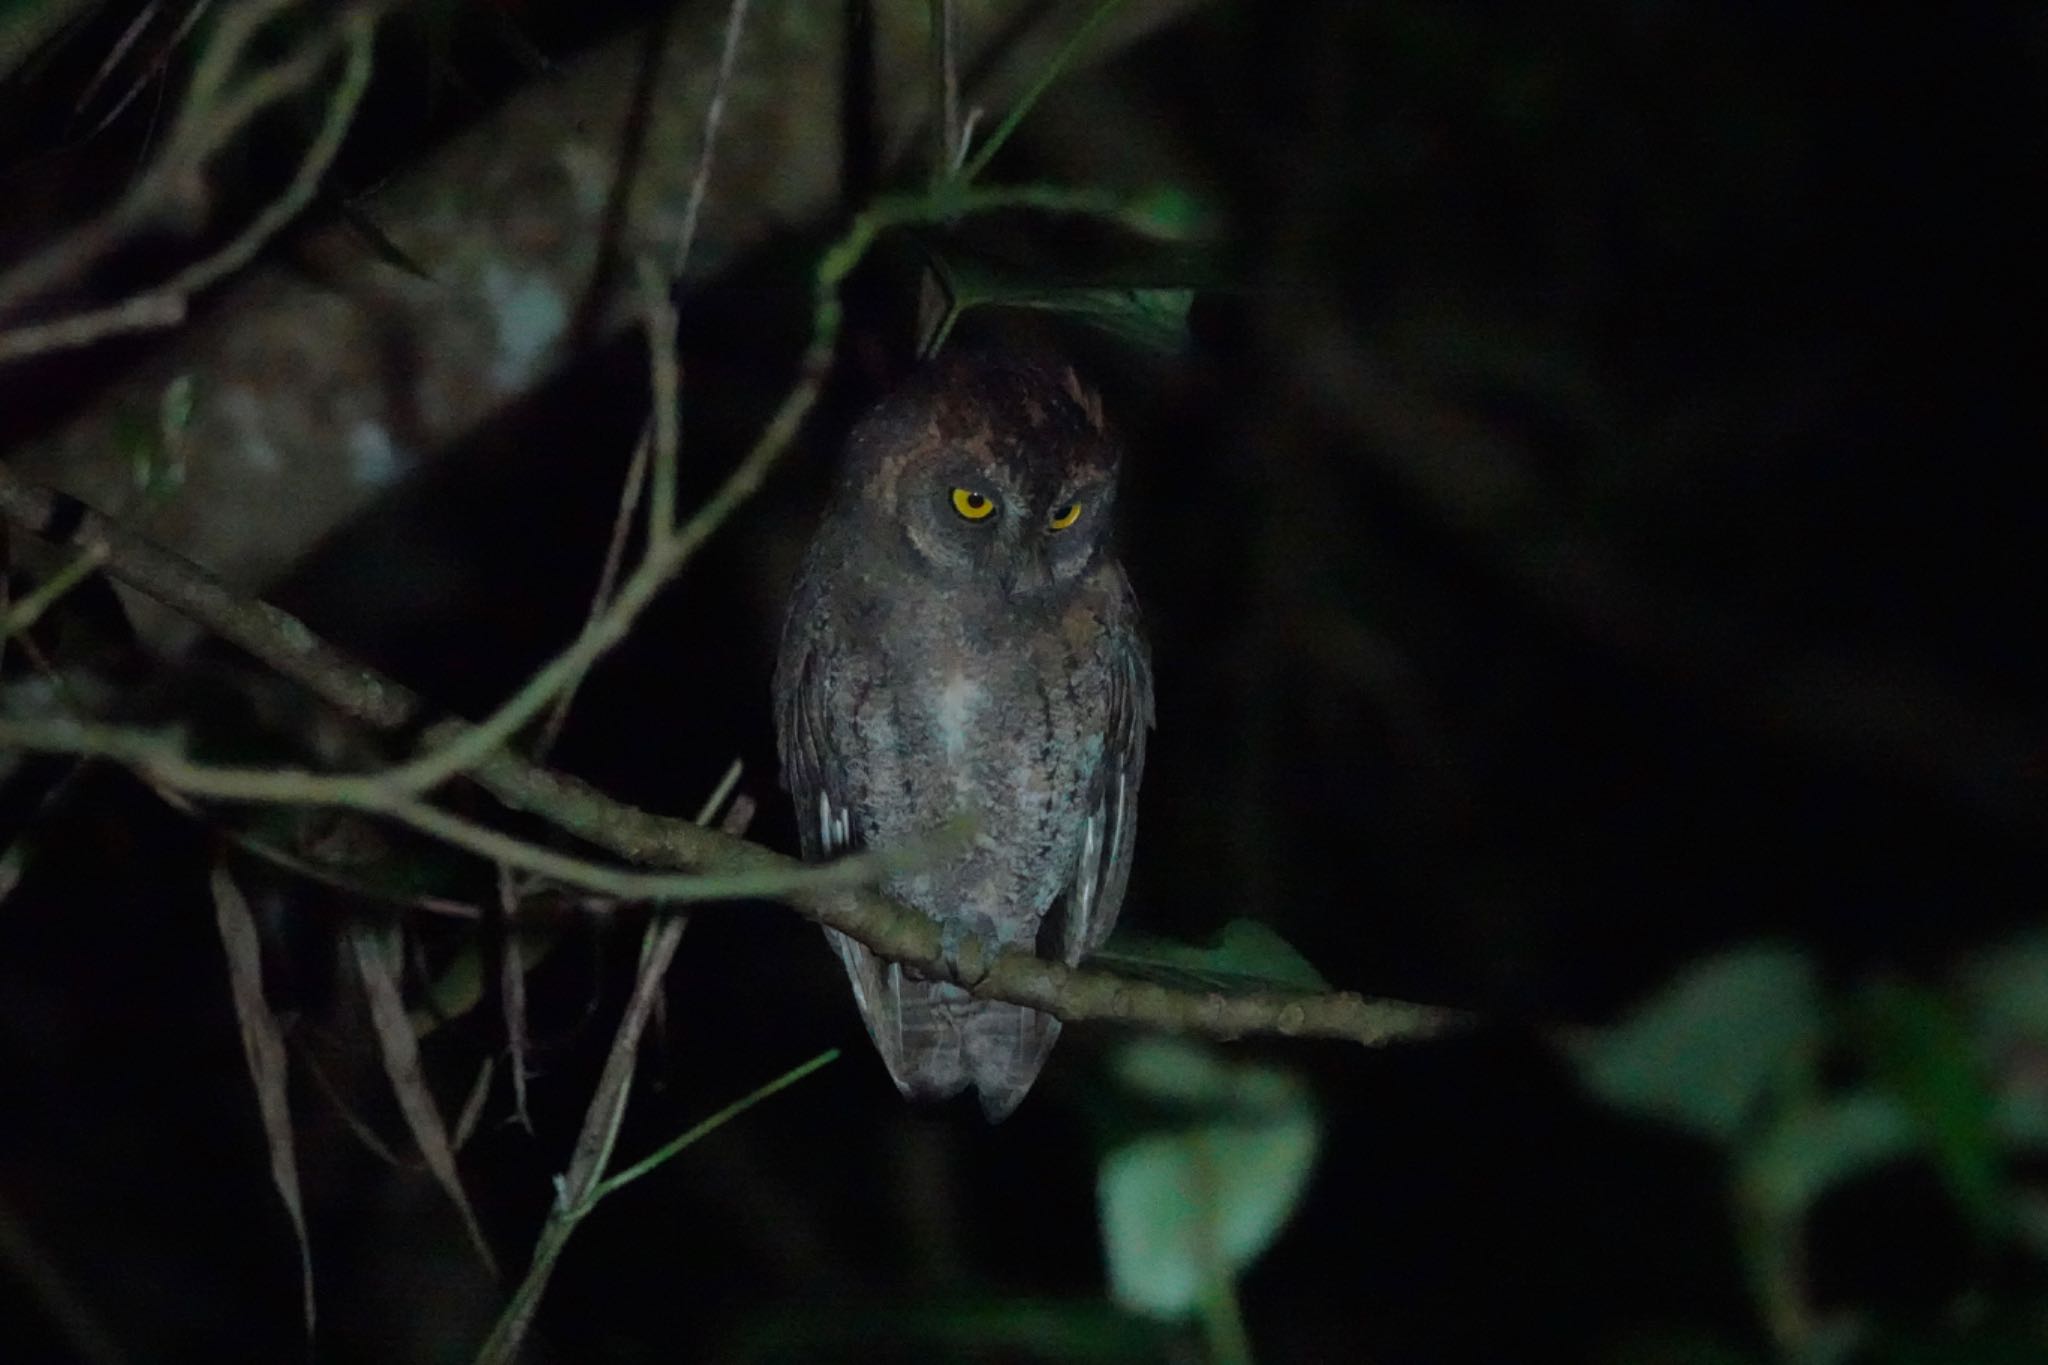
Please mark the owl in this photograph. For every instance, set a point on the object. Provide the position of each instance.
(961, 640)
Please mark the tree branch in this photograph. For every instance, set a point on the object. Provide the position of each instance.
(889, 928)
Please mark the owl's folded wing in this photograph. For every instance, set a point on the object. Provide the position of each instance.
(826, 828)
(1103, 864)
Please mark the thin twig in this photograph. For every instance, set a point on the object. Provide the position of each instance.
(160, 762)
(714, 119)
(666, 399)
(193, 14)
(167, 304)
(946, 130)
(607, 580)
(1053, 70)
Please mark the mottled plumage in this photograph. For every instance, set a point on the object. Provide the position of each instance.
(960, 639)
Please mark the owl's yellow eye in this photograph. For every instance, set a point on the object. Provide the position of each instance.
(972, 505)
(1065, 517)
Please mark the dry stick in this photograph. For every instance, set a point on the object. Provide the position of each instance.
(945, 33)
(160, 762)
(1054, 69)
(154, 68)
(666, 396)
(607, 580)
(166, 305)
(210, 117)
(512, 993)
(714, 118)
(276, 637)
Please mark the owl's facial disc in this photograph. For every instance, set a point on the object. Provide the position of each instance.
(981, 522)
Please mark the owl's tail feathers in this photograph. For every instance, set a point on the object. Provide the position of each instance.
(937, 1039)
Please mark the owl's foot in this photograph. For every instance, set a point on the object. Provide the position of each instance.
(967, 951)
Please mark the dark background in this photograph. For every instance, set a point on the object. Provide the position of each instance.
(1587, 528)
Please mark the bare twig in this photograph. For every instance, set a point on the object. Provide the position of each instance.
(1052, 71)
(714, 119)
(186, 23)
(947, 132)
(607, 580)
(512, 994)
(278, 638)
(166, 305)
(162, 764)
(666, 400)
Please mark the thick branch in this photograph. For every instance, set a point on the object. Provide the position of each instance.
(892, 930)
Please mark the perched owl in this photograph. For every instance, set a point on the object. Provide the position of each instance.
(961, 639)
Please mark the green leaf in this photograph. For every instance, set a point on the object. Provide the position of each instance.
(1714, 1045)
(956, 1327)
(1152, 317)
(1812, 1148)
(1920, 1051)
(1676, 1347)
(2008, 994)
(1245, 957)
(1186, 1208)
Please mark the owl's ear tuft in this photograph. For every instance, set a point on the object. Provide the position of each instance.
(1089, 401)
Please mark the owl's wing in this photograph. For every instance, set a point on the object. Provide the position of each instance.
(827, 827)
(1103, 864)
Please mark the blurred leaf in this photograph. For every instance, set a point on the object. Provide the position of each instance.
(1174, 214)
(1811, 1148)
(1034, 1329)
(2008, 994)
(1833, 1341)
(2003, 1338)
(1185, 1208)
(263, 1047)
(2020, 1116)
(1679, 1348)
(2030, 1221)
(1920, 1051)
(1245, 956)
(13, 862)
(1706, 1052)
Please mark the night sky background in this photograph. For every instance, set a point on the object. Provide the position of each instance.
(1587, 528)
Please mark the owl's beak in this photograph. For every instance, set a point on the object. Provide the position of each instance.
(1028, 573)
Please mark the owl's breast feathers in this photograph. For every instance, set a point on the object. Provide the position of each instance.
(899, 711)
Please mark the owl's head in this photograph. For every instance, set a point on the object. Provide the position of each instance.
(993, 469)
